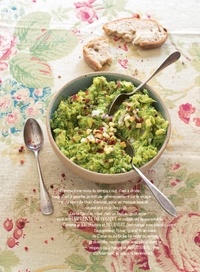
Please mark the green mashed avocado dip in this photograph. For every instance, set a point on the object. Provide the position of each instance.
(88, 136)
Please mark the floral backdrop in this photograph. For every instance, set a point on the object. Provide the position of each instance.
(40, 50)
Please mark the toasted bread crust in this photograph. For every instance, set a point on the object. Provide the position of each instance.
(96, 53)
(145, 33)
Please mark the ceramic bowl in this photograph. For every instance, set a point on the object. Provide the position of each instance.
(83, 82)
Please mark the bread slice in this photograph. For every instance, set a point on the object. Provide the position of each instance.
(145, 33)
(96, 53)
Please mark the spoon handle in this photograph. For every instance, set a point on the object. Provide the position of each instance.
(171, 59)
(45, 200)
(118, 100)
(167, 205)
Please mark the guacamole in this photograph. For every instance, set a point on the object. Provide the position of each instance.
(85, 133)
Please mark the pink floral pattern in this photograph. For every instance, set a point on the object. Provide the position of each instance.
(13, 118)
(123, 63)
(185, 112)
(197, 121)
(15, 231)
(85, 11)
(189, 115)
(177, 248)
(128, 256)
(91, 246)
(7, 48)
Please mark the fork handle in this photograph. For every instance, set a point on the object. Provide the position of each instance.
(167, 205)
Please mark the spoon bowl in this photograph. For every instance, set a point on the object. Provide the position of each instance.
(167, 205)
(34, 139)
(123, 96)
(33, 136)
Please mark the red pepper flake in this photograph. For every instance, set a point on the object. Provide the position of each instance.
(34, 190)
(21, 149)
(46, 242)
(52, 239)
(22, 162)
(26, 248)
(59, 76)
(63, 175)
(51, 186)
(61, 193)
(136, 15)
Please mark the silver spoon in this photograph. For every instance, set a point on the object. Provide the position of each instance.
(33, 138)
(167, 205)
(121, 97)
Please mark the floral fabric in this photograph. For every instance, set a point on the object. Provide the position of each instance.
(94, 227)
